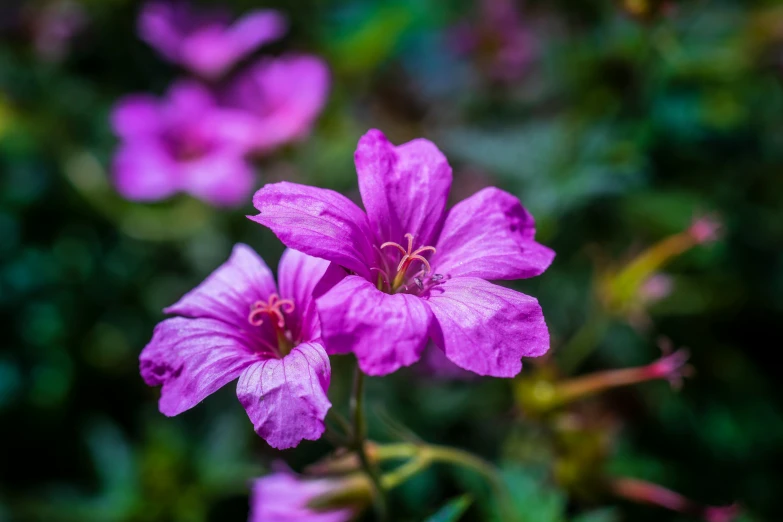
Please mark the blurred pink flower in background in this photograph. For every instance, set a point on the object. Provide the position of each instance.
(657, 287)
(205, 41)
(498, 39)
(284, 496)
(53, 27)
(184, 142)
(285, 95)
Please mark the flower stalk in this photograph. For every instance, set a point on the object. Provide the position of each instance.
(645, 492)
(541, 395)
(359, 436)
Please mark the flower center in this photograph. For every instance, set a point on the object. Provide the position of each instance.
(408, 257)
(274, 309)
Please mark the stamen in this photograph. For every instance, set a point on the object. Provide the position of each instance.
(408, 256)
(274, 308)
(395, 245)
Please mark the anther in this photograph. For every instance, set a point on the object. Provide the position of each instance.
(274, 308)
(410, 255)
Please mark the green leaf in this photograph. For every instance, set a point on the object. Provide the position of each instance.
(453, 510)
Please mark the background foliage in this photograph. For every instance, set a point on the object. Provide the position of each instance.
(625, 121)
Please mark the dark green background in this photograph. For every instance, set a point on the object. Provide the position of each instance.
(617, 134)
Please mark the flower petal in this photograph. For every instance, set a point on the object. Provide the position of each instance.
(303, 278)
(490, 235)
(404, 188)
(143, 171)
(228, 293)
(486, 328)
(135, 115)
(318, 222)
(158, 27)
(255, 29)
(286, 398)
(385, 331)
(222, 178)
(213, 49)
(282, 496)
(284, 94)
(193, 358)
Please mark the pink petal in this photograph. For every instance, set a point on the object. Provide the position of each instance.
(158, 27)
(228, 293)
(255, 29)
(143, 171)
(404, 188)
(302, 278)
(223, 178)
(286, 398)
(385, 331)
(490, 235)
(282, 497)
(136, 115)
(213, 50)
(486, 328)
(285, 94)
(193, 358)
(319, 222)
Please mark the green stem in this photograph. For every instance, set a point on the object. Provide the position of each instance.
(425, 454)
(409, 469)
(359, 430)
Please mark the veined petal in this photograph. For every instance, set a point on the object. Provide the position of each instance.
(286, 398)
(193, 358)
(229, 292)
(302, 278)
(319, 222)
(404, 188)
(490, 235)
(385, 331)
(486, 328)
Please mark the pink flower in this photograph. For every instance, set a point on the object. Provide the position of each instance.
(284, 496)
(285, 95)
(237, 325)
(182, 143)
(416, 271)
(205, 41)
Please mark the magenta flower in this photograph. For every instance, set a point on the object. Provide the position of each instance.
(417, 272)
(285, 496)
(206, 42)
(236, 324)
(285, 95)
(183, 143)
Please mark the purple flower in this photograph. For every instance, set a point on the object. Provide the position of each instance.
(498, 36)
(183, 143)
(417, 272)
(285, 95)
(206, 42)
(236, 324)
(285, 496)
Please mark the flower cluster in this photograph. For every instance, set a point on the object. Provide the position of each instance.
(349, 285)
(198, 137)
